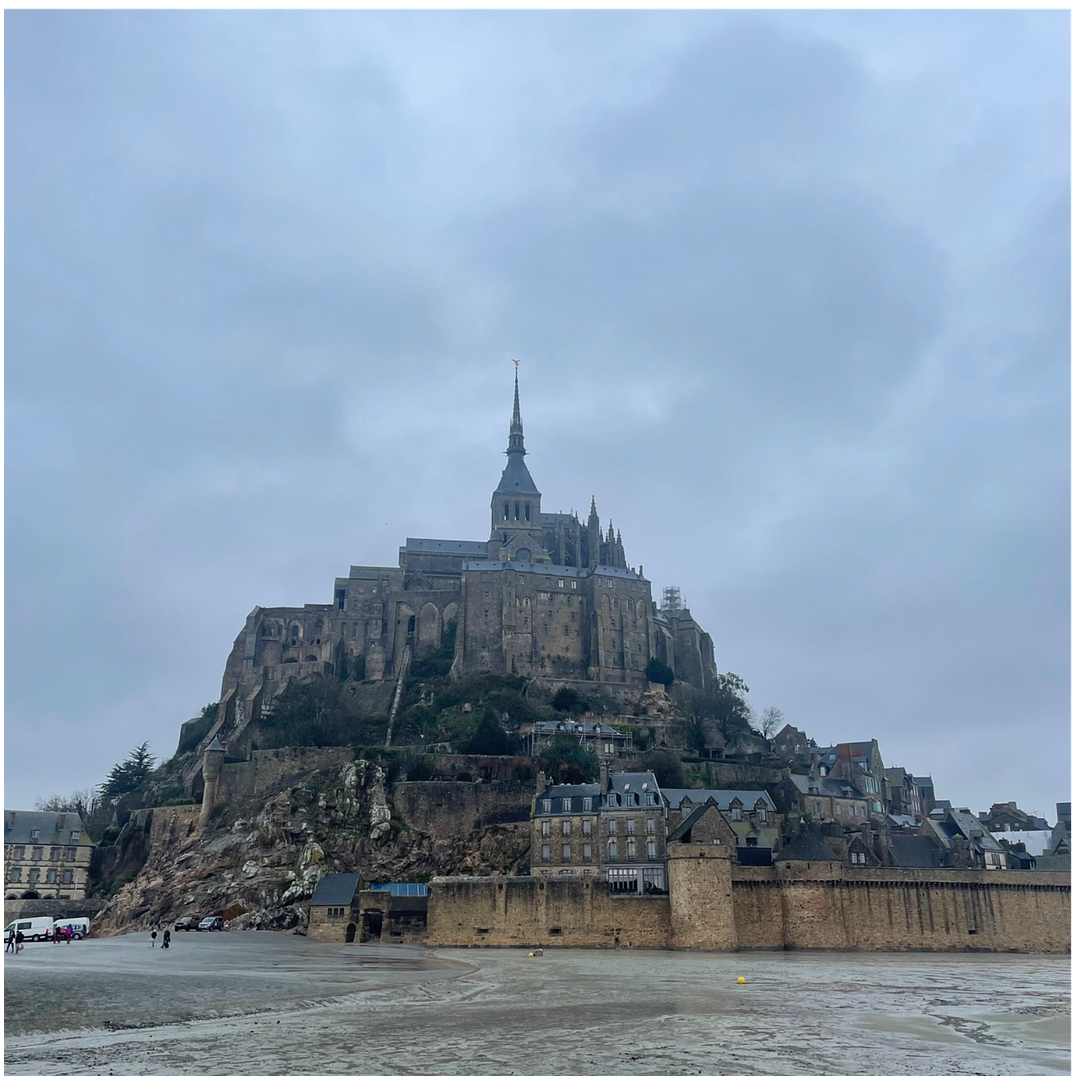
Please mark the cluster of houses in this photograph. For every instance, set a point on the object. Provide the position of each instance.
(838, 803)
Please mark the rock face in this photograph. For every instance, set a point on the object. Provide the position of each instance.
(258, 860)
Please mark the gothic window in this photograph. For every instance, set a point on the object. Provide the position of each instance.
(517, 511)
(318, 628)
(506, 511)
(341, 599)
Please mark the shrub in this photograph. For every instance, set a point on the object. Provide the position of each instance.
(656, 671)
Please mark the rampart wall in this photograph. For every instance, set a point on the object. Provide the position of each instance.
(445, 809)
(714, 904)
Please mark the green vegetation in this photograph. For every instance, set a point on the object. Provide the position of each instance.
(194, 731)
(566, 761)
(489, 737)
(568, 700)
(656, 671)
(436, 665)
(317, 713)
(129, 775)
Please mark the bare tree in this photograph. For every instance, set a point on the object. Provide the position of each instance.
(83, 803)
(770, 721)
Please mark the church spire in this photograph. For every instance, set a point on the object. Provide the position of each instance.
(516, 444)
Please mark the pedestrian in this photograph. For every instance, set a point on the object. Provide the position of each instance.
(19, 939)
(67, 934)
(9, 942)
(166, 938)
(153, 938)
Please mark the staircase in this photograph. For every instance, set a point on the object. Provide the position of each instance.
(406, 657)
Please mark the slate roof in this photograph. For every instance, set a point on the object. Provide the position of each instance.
(53, 827)
(903, 821)
(574, 727)
(1054, 862)
(806, 847)
(835, 788)
(723, 796)
(920, 851)
(516, 479)
(335, 890)
(459, 547)
(574, 792)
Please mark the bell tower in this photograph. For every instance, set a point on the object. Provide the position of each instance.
(516, 534)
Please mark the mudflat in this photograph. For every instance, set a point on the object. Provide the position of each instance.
(274, 1004)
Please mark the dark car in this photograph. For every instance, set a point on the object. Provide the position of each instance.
(212, 922)
(187, 922)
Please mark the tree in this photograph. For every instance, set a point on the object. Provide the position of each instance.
(83, 803)
(489, 737)
(566, 761)
(770, 721)
(568, 700)
(665, 766)
(129, 775)
(730, 705)
(656, 671)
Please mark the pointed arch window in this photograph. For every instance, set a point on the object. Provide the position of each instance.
(528, 509)
(517, 511)
(506, 511)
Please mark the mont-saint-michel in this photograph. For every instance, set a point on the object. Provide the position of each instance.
(510, 742)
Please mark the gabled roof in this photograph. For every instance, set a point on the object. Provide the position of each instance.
(687, 824)
(1053, 862)
(335, 890)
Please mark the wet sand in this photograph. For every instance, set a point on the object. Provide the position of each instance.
(263, 1003)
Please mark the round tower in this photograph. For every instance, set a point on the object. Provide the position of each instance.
(213, 759)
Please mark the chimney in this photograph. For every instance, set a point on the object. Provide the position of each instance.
(603, 776)
(541, 781)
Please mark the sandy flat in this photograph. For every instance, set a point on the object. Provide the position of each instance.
(261, 1003)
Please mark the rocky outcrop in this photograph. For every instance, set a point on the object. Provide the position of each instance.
(258, 860)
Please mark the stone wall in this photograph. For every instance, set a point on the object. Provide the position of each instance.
(447, 809)
(54, 909)
(269, 769)
(715, 904)
(527, 911)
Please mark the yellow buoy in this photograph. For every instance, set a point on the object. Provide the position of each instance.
(740, 979)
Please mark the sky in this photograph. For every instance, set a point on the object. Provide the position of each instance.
(790, 293)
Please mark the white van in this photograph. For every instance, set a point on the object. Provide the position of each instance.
(39, 929)
(80, 928)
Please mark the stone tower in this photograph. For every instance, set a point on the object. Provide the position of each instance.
(213, 758)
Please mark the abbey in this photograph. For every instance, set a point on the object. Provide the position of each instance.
(545, 595)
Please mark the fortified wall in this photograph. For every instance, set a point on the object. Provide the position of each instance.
(714, 904)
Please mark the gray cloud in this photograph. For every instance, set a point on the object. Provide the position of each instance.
(791, 293)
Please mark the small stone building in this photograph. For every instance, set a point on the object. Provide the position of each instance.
(335, 910)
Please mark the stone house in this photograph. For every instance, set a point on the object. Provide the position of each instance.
(705, 824)
(861, 764)
(752, 815)
(966, 842)
(615, 829)
(819, 798)
(901, 793)
(334, 914)
(46, 855)
(791, 745)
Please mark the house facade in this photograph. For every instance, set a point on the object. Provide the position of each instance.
(46, 855)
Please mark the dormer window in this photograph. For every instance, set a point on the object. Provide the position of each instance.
(547, 806)
(35, 834)
(613, 799)
(736, 812)
(586, 803)
(75, 836)
(566, 806)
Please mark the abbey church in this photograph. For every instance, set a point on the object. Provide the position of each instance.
(545, 595)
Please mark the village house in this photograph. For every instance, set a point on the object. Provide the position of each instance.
(965, 840)
(792, 746)
(861, 764)
(820, 798)
(752, 815)
(901, 793)
(46, 855)
(594, 735)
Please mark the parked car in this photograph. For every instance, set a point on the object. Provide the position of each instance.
(212, 922)
(187, 922)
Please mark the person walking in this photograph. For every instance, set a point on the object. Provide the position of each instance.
(153, 938)
(19, 939)
(166, 938)
(9, 942)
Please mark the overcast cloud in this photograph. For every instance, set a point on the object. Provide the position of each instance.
(790, 292)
